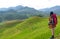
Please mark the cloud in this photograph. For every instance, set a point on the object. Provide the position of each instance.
(31, 3)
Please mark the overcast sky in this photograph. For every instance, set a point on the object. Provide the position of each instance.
(37, 4)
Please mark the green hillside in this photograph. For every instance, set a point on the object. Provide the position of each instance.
(31, 28)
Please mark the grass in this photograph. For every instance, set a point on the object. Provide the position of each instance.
(8, 24)
(32, 28)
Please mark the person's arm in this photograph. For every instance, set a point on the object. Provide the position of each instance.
(49, 21)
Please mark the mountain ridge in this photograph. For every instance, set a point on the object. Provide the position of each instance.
(55, 9)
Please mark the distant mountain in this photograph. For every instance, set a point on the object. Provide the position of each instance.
(18, 12)
(15, 8)
(19, 9)
(55, 9)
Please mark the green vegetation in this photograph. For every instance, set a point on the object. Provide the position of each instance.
(31, 28)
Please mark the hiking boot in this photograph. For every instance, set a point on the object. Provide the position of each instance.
(52, 37)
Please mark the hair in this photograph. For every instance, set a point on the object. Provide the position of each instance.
(51, 13)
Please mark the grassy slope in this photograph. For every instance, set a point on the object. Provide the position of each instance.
(7, 25)
(32, 28)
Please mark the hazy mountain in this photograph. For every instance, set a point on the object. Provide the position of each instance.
(19, 9)
(18, 12)
(55, 9)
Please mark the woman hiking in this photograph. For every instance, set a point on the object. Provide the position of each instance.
(52, 23)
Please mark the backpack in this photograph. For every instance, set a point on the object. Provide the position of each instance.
(53, 20)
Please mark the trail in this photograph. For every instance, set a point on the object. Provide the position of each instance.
(58, 37)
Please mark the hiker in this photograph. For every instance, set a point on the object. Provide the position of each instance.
(52, 23)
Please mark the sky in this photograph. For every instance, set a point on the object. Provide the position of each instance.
(37, 4)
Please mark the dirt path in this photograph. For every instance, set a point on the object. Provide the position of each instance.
(58, 37)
